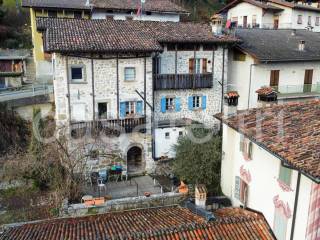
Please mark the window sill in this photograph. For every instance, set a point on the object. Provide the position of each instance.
(78, 82)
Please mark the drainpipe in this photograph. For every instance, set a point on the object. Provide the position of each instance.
(250, 80)
(296, 200)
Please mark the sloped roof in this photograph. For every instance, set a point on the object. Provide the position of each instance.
(155, 223)
(270, 45)
(150, 5)
(292, 5)
(253, 2)
(118, 5)
(60, 4)
(81, 35)
(290, 132)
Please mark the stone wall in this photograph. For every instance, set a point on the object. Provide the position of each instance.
(105, 84)
(156, 200)
(213, 94)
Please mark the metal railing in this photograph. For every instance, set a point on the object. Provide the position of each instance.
(108, 126)
(25, 91)
(298, 89)
(183, 81)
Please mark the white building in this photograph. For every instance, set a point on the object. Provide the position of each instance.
(287, 60)
(271, 164)
(274, 14)
(139, 76)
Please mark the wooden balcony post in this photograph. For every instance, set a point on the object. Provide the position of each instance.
(176, 61)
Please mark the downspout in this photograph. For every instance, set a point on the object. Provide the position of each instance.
(296, 200)
(93, 93)
(222, 78)
(250, 80)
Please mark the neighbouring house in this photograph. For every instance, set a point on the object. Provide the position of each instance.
(288, 61)
(143, 76)
(16, 68)
(151, 10)
(272, 14)
(170, 222)
(271, 162)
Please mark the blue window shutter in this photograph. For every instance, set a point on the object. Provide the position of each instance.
(163, 104)
(178, 104)
(139, 107)
(123, 109)
(190, 103)
(204, 102)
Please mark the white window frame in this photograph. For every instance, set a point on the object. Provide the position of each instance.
(131, 107)
(80, 80)
(198, 68)
(129, 77)
(170, 103)
(167, 135)
(196, 102)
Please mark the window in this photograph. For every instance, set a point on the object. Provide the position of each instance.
(274, 78)
(285, 175)
(238, 55)
(280, 225)
(299, 19)
(241, 190)
(102, 110)
(170, 104)
(195, 65)
(129, 74)
(76, 74)
(309, 20)
(131, 108)
(317, 23)
(254, 20)
(2, 83)
(52, 14)
(180, 133)
(234, 21)
(197, 102)
(77, 14)
(246, 147)
(167, 135)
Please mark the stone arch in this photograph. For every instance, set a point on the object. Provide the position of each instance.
(135, 158)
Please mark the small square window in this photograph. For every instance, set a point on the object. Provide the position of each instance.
(196, 102)
(167, 135)
(129, 74)
(169, 104)
(180, 133)
(76, 74)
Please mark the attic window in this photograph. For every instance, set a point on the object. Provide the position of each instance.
(52, 14)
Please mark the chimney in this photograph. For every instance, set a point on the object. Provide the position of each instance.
(230, 103)
(216, 24)
(201, 196)
(267, 96)
(302, 45)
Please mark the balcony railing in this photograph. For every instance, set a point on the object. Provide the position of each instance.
(300, 90)
(183, 81)
(109, 126)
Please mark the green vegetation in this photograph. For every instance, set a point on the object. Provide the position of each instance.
(199, 163)
(14, 29)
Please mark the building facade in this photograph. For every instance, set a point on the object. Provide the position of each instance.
(263, 59)
(273, 14)
(268, 165)
(135, 91)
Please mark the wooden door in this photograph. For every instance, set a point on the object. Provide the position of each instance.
(245, 21)
(274, 78)
(308, 76)
(276, 23)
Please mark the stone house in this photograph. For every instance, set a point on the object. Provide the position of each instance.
(151, 10)
(135, 77)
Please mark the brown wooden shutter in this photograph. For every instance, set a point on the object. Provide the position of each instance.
(204, 65)
(308, 76)
(274, 78)
(191, 65)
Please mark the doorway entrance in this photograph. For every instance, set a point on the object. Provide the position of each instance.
(134, 160)
(308, 77)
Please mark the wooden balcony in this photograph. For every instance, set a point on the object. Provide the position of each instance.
(182, 81)
(108, 127)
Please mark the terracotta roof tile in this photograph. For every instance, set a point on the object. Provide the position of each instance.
(171, 223)
(81, 35)
(290, 131)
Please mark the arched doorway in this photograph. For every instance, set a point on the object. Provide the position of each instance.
(134, 160)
